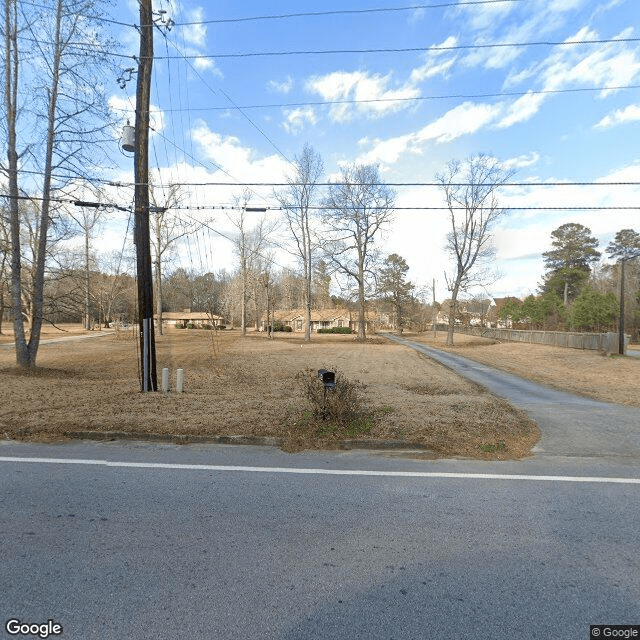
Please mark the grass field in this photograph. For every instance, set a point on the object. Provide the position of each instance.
(251, 386)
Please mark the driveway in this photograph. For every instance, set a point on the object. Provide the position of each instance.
(571, 425)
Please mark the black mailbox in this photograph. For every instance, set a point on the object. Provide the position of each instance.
(328, 379)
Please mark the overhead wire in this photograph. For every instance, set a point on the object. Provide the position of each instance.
(311, 14)
(453, 96)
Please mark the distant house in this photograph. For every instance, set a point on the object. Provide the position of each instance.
(320, 319)
(474, 312)
(196, 318)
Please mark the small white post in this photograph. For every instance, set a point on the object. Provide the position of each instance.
(165, 380)
(179, 381)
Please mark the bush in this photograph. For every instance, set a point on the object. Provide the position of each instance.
(336, 330)
(342, 405)
(281, 327)
(191, 326)
(179, 325)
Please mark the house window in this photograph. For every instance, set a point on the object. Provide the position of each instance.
(340, 323)
(298, 325)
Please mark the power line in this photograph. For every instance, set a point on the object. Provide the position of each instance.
(120, 184)
(109, 205)
(84, 46)
(315, 14)
(312, 14)
(410, 184)
(320, 103)
(459, 47)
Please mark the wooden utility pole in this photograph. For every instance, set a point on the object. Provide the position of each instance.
(149, 378)
(621, 323)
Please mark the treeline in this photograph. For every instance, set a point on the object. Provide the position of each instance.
(579, 292)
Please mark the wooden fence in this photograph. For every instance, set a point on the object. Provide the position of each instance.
(607, 342)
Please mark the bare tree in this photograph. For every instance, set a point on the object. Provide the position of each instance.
(357, 208)
(168, 229)
(5, 252)
(470, 192)
(249, 244)
(88, 220)
(70, 115)
(296, 201)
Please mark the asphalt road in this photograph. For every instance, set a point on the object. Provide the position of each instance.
(132, 540)
(570, 425)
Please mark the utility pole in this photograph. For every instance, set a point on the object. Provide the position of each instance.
(149, 378)
(621, 323)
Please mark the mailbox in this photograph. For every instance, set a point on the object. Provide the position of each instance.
(328, 379)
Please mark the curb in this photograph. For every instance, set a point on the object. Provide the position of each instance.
(262, 441)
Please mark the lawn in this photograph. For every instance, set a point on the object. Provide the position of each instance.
(252, 386)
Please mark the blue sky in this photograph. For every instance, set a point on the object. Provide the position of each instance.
(220, 118)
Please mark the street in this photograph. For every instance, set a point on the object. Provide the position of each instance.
(132, 540)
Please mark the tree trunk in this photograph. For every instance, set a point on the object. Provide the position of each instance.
(158, 270)
(87, 294)
(11, 96)
(243, 305)
(452, 314)
(362, 333)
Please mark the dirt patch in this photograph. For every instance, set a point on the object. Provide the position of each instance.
(250, 386)
(587, 373)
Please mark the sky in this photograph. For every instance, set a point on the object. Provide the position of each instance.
(409, 89)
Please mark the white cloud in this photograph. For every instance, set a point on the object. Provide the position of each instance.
(465, 119)
(236, 160)
(434, 64)
(630, 113)
(296, 118)
(281, 87)
(522, 161)
(195, 34)
(386, 151)
(371, 92)
(607, 64)
(522, 109)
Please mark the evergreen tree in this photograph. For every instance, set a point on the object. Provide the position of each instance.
(568, 263)
(393, 284)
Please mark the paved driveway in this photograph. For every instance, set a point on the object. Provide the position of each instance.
(571, 425)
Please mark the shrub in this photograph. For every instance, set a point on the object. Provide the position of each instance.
(336, 330)
(342, 405)
(179, 325)
(191, 326)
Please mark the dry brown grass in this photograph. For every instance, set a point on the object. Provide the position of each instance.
(249, 387)
(587, 373)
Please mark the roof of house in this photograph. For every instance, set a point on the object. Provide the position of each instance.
(317, 315)
(468, 306)
(189, 315)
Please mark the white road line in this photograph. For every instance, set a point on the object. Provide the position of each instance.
(326, 472)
